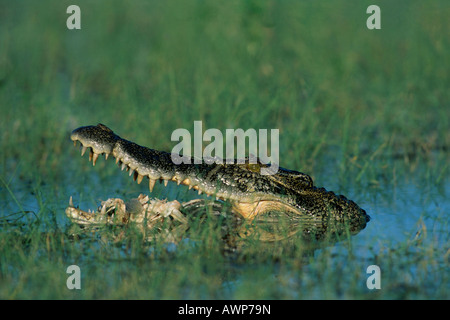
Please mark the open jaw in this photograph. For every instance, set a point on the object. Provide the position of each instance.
(251, 196)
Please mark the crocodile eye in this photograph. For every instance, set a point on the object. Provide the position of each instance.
(254, 167)
(111, 211)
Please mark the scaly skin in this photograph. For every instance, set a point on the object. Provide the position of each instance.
(251, 195)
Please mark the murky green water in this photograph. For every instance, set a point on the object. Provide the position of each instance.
(407, 237)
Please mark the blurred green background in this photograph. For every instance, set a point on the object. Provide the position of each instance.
(362, 110)
(311, 69)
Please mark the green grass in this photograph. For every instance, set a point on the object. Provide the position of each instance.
(366, 113)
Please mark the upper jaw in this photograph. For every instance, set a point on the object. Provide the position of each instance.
(100, 138)
(156, 165)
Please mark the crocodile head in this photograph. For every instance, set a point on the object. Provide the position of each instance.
(252, 196)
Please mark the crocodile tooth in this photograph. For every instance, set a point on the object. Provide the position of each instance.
(175, 178)
(83, 150)
(106, 156)
(117, 160)
(94, 158)
(74, 143)
(199, 191)
(123, 166)
(190, 187)
(103, 211)
(131, 171)
(71, 202)
(139, 178)
(165, 182)
(151, 184)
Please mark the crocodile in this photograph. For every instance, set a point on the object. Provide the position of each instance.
(250, 196)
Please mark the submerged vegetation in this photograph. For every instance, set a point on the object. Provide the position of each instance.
(365, 112)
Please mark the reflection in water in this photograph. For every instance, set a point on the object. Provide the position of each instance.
(172, 222)
(408, 236)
